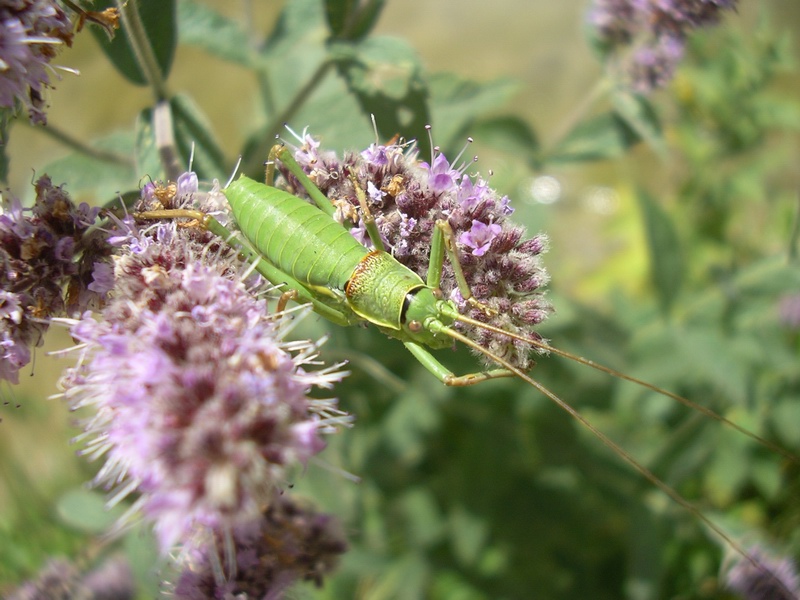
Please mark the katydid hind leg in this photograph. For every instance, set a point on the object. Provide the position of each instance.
(285, 282)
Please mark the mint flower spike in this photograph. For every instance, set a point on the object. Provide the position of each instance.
(52, 263)
(287, 543)
(647, 38)
(61, 579)
(773, 578)
(407, 197)
(201, 405)
(30, 33)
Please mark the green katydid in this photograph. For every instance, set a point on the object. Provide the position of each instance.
(312, 258)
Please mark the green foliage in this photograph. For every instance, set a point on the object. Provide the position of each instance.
(159, 25)
(491, 491)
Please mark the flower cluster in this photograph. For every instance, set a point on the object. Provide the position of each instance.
(52, 263)
(201, 408)
(61, 579)
(771, 579)
(288, 543)
(407, 197)
(649, 36)
(31, 31)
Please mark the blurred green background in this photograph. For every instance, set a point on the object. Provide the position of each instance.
(671, 267)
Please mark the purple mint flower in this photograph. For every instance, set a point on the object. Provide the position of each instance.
(10, 307)
(374, 193)
(102, 278)
(187, 184)
(376, 154)
(287, 543)
(31, 33)
(112, 580)
(201, 407)
(773, 579)
(43, 252)
(480, 237)
(789, 311)
(441, 177)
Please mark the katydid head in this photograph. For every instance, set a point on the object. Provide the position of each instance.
(422, 307)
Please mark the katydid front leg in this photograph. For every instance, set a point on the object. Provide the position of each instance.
(443, 241)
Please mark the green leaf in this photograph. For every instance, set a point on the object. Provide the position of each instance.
(85, 510)
(508, 133)
(348, 19)
(160, 26)
(195, 139)
(85, 173)
(666, 257)
(386, 76)
(5, 122)
(602, 137)
(457, 102)
(785, 418)
(469, 535)
(217, 35)
(296, 20)
(638, 113)
(148, 162)
(422, 517)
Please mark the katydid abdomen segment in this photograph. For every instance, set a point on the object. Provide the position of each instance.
(294, 235)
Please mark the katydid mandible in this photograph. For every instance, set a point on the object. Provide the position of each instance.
(312, 258)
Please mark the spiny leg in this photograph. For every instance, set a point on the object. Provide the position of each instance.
(444, 241)
(270, 272)
(445, 375)
(281, 152)
(366, 216)
(284, 300)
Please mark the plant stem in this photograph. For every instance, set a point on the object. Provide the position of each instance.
(80, 146)
(140, 44)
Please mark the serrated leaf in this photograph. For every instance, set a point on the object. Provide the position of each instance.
(85, 510)
(216, 34)
(602, 137)
(641, 117)
(666, 255)
(385, 75)
(160, 27)
(456, 102)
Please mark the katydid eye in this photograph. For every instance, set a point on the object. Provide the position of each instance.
(414, 326)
